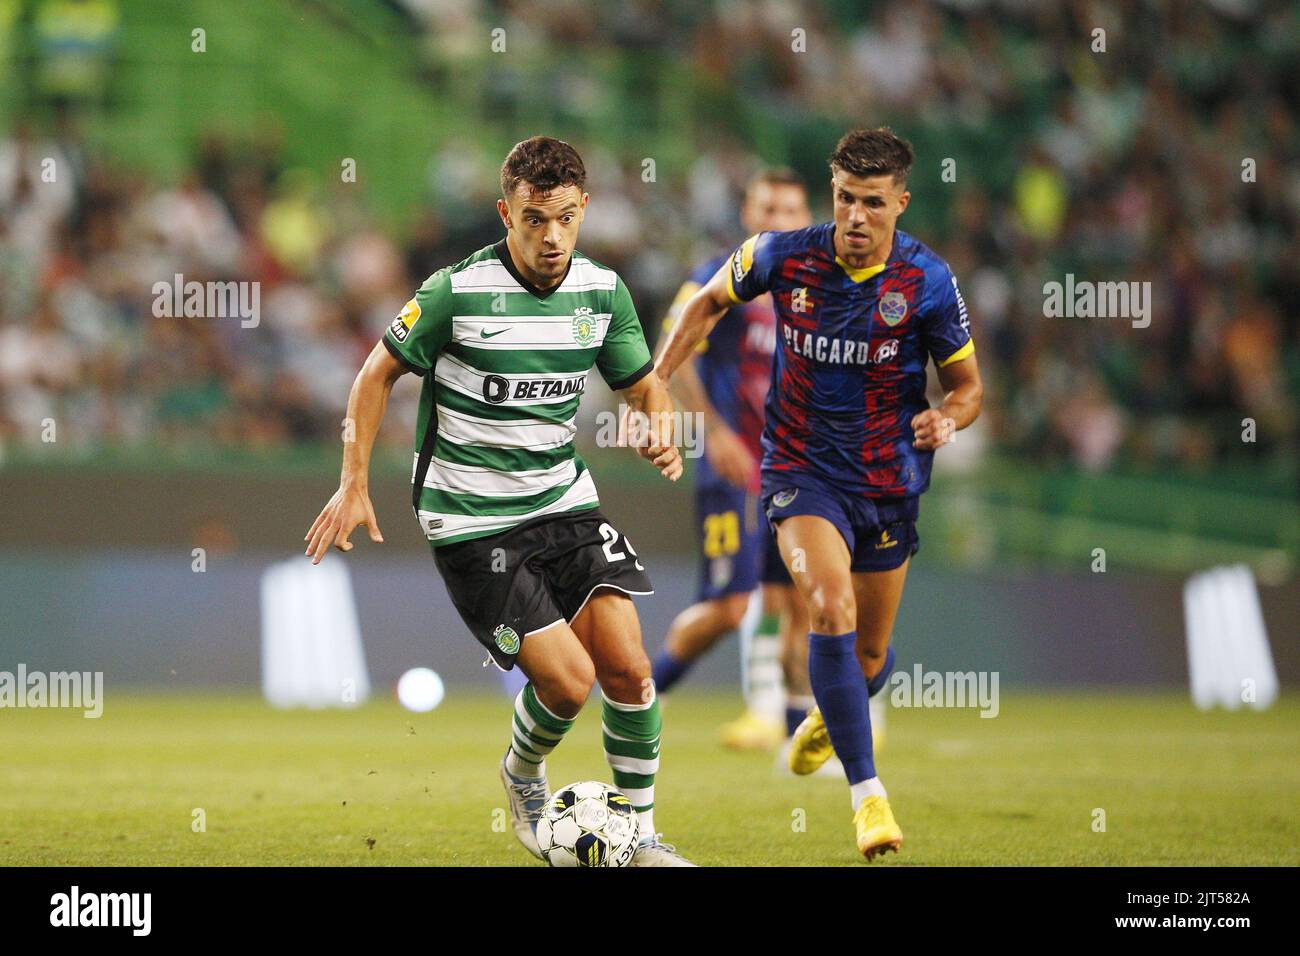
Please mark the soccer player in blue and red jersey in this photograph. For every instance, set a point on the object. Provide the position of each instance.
(862, 307)
(727, 382)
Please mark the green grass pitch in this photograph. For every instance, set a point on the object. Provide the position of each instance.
(380, 786)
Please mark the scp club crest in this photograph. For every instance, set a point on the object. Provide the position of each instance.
(584, 327)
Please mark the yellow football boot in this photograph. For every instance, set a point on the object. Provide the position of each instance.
(877, 830)
(752, 731)
(811, 745)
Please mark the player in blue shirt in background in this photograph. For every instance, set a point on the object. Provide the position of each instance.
(727, 381)
(849, 439)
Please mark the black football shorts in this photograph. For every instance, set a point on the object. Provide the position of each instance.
(507, 586)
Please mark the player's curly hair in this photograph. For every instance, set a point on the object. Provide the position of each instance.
(873, 152)
(543, 162)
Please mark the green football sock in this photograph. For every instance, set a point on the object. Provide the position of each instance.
(534, 734)
(631, 735)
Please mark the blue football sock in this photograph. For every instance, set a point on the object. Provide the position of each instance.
(836, 678)
(877, 683)
(667, 671)
(793, 718)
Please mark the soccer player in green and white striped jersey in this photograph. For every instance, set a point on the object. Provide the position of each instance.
(504, 341)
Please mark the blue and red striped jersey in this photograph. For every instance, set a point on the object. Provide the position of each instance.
(852, 348)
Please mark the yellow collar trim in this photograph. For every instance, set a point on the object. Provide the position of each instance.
(860, 275)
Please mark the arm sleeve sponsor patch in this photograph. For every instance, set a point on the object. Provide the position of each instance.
(405, 320)
(748, 269)
(417, 343)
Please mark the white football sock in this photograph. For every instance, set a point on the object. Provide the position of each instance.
(871, 787)
(761, 678)
(523, 769)
(804, 702)
(646, 822)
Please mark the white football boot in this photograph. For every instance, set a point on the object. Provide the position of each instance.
(654, 852)
(527, 799)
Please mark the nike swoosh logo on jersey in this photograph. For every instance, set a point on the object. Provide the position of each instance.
(487, 335)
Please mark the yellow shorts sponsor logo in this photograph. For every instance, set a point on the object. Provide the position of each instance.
(885, 541)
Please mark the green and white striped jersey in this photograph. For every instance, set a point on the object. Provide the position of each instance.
(504, 367)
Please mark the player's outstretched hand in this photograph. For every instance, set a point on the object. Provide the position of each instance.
(664, 457)
(636, 430)
(349, 507)
(932, 429)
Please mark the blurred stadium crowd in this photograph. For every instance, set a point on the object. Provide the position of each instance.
(1173, 158)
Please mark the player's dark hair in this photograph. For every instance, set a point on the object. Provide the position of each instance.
(873, 152)
(775, 176)
(545, 163)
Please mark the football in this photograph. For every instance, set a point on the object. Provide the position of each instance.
(588, 824)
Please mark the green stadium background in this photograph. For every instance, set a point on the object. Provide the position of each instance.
(177, 434)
